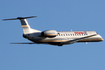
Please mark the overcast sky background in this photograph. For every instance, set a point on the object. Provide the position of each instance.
(60, 15)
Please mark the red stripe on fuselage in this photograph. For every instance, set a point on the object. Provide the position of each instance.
(79, 32)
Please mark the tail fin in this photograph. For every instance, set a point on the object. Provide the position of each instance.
(26, 27)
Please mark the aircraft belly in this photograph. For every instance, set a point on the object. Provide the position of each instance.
(49, 40)
(90, 40)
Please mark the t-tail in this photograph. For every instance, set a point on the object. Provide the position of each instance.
(26, 27)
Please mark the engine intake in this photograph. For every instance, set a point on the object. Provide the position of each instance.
(49, 33)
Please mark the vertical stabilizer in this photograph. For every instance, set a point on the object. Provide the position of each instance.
(26, 27)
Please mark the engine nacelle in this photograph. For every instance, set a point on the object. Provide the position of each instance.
(49, 33)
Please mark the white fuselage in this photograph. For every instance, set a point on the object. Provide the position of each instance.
(64, 36)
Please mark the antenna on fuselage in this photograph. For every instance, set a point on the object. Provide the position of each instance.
(86, 42)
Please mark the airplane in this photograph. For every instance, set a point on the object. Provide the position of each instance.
(53, 37)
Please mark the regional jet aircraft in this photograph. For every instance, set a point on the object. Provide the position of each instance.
(54, 37)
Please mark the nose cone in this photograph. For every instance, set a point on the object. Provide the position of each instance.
(100, 38)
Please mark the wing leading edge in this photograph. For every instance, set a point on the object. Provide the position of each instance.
(22, 43)
(76, 40)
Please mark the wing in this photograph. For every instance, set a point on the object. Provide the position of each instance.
(75, 40)
(22, 43)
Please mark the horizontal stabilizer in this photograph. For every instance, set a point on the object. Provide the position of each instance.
(20, 18)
